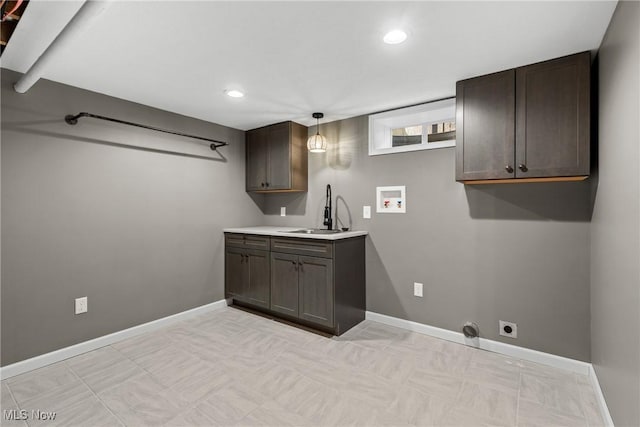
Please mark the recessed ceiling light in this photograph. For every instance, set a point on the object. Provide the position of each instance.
(395, 37)
(234, 93)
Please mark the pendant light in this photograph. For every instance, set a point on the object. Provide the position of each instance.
(317, 143)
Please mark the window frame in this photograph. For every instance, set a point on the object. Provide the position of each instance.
(382, 124)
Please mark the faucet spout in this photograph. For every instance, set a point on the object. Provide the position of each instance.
(328, 221)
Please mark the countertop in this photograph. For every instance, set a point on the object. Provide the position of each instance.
(282, 232)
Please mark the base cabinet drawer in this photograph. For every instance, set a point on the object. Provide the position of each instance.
(249, 241)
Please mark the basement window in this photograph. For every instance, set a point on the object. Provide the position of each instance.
(421, 127)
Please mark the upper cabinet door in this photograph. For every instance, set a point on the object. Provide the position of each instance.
(553, 112)
(485, 127)
(279, 160)
(256, 166)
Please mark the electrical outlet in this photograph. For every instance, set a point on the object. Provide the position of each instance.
(366, 212)
(283, 211)
(417, 289)
(81, 305)
(508, 329)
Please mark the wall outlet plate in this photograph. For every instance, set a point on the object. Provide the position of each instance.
(366, 212)
(417, 289)
(283, 211)
(81, 305)
(508, 329)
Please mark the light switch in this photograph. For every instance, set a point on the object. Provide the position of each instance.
(283, 211)
(366, 212)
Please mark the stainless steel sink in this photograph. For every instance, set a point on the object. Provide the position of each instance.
(314, 231)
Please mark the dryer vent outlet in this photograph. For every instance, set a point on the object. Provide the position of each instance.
(470, 330)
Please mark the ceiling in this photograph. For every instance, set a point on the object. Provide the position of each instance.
(294, 58)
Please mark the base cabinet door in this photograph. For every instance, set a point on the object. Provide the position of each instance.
(284, 283)
(315, 277)
(235, 277)
(257, 276)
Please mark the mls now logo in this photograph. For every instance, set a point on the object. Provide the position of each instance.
(23, 415)
(15, 415)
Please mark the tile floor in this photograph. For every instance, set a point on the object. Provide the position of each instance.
(232, 368)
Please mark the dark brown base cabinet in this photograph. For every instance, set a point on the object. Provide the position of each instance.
(318, 283)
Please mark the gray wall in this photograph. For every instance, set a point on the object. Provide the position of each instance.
(484, 253)
(138, 232)
(615, 230)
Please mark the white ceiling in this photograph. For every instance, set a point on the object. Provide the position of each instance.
(294, 58)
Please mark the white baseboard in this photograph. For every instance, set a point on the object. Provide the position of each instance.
(485, 344)
(604, 409)
(83, 347)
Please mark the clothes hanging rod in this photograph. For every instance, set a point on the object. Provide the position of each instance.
(73, 120)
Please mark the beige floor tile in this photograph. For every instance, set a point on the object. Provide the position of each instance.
(439, 384)
(6, 400)
(553, 393)
(171, 364)
(320, 369)
(142, 401)
(590, 405)
(440, 362)
(273, 379)
(372, 389)
(230, 367)
(35, 383)
(488, 402)
(415, 342)
(393, 365)
(141, 345)
(116, 374)
(375, 335)
(418, 408)
(497, 372)
(531, 414)
(12, 417)
(261, 343)
(95, 361)
(272, 414)
(458, 416)
(329, 407)
(192, 417)
(232, 403)
(200, 383)
(89, 412)
(538, 370)
(348, 353)
(59, 398)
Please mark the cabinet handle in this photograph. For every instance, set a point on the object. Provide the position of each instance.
(508, 168)
(267, 184)
(523, 167)
(262, 184)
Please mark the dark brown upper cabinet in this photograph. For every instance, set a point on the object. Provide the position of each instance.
(529, 124)
(277, 158)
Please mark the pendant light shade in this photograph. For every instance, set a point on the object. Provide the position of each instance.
(317, 143)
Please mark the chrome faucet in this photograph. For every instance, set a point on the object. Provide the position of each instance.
(327, 210)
